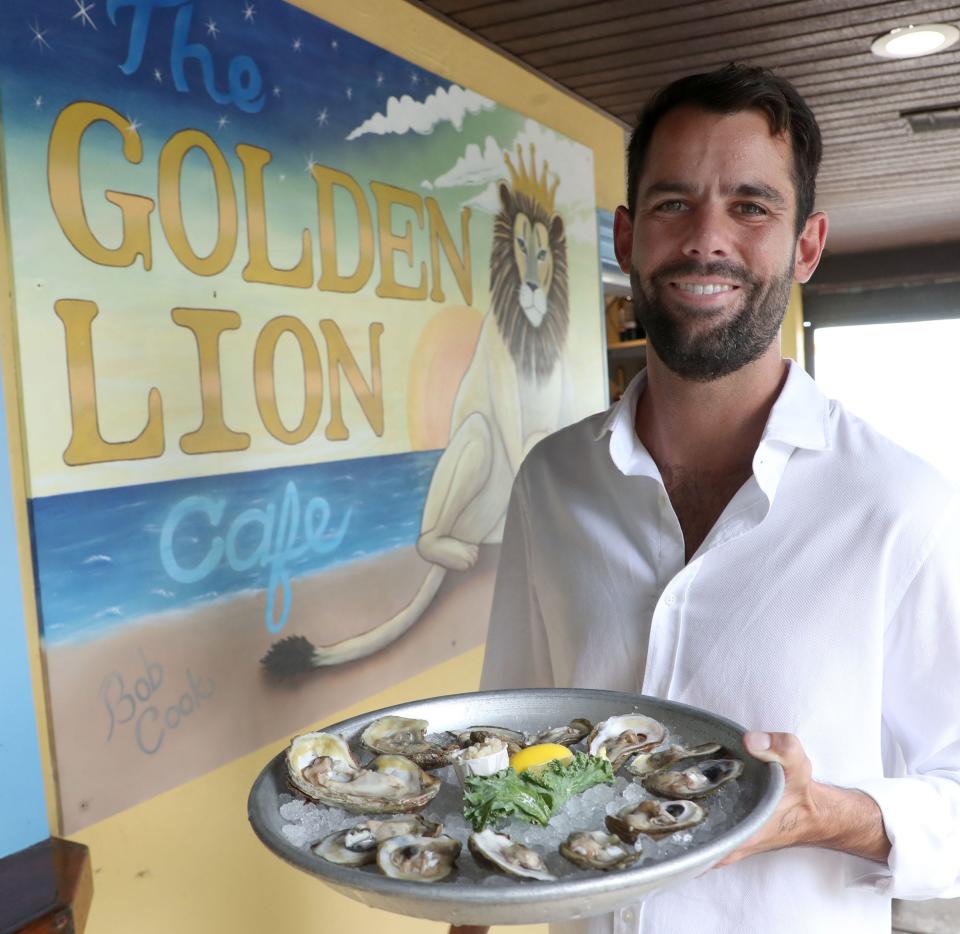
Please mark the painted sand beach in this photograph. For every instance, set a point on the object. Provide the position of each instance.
(144, 708)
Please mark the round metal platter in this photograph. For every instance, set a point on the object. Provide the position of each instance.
(526, 902)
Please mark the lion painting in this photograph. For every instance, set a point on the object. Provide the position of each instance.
(510, 397)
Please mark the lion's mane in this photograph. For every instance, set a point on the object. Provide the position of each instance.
(535, 350)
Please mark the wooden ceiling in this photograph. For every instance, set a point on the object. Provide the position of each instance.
(882, 184)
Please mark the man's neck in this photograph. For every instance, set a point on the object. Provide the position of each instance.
(711, 427)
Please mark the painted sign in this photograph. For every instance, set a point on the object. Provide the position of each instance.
(290, 312)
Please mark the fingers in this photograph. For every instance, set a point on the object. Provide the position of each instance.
(784, 748)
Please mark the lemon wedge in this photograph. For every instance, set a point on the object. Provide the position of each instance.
(538, 756)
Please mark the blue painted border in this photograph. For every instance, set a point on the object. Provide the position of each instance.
(23, 812)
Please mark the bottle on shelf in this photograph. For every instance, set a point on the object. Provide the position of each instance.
(630, 331)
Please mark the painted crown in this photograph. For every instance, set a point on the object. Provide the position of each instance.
(537, 188)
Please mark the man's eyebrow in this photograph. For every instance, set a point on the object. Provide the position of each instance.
(745, 190)
(668, 188)
(758, 190)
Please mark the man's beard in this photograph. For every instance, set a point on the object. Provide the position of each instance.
(705, 353)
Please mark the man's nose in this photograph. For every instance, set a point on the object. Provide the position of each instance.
(707, 233)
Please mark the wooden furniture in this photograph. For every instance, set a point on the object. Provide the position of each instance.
(46, 889)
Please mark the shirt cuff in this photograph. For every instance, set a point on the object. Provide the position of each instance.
(921, 818)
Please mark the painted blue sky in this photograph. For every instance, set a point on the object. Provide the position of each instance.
(315, 76)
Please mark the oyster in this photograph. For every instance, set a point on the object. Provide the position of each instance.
(320, 759)
(357, 846)
(480, 734)
(655, 819)
(698, 779)
(567, 735)
(499, 851)
(418, 859)
(621, 737)
(594, 849)
(403, 736)
(321, 766)
(647, 762)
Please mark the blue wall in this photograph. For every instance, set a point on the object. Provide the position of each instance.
(23, 814)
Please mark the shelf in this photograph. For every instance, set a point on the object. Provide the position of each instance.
(628, 345)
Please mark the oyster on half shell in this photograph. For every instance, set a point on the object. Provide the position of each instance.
(404, 736)
(646, 762)
(696, 780)
(321, 766)
(595, 849)
(618, 738)
(655, 819)
(567, 735)
(490, 848)
(357, 846)
(418, 859)
(473, 735)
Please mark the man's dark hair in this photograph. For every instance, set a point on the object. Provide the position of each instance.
(733, 89)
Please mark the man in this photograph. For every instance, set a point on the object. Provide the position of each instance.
(727, 537)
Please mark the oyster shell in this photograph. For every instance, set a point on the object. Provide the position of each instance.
(567, 735)
(696, 780)
(646, 762)
(318, 759)
(473, 735)
(621, 737)
(403, 736)
(321, 766)
(594, 849)
(357, 846)
(655, 819)
(499, 851)
(418, 859)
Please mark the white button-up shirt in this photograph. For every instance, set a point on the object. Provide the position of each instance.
(825, 602)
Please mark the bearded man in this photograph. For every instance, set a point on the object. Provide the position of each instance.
(725, 536)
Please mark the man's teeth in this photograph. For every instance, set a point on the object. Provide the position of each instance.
(704, 289)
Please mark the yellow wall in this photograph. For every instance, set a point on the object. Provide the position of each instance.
(186, 861)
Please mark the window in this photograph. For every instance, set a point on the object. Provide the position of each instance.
(901, 377)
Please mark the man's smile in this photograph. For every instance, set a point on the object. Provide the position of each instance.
(701, 291)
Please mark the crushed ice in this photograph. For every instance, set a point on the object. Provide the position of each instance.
(306, 823)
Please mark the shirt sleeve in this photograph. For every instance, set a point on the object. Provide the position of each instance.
(921, 710)
(517, 653)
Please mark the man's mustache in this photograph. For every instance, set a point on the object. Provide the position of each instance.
(720, 268)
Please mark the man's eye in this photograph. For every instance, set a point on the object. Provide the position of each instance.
(670, 207)
(542, 255)
(521, 243)
(755, 210)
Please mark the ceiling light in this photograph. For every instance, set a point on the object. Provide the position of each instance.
(914, 41)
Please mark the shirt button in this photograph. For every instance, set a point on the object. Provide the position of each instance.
(670, 599)
(628, 916)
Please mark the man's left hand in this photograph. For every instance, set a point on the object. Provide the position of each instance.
(794, 822)
(811, 813)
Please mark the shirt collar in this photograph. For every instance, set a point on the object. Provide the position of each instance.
(626, 450)
(800, 416)
(798, 419)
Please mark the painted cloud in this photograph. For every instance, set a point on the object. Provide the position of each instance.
(571, 161)
(445, 105)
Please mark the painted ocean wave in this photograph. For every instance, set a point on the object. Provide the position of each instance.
(108, 558)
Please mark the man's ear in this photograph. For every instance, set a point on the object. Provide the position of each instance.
(809, 247)
(623, 238)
